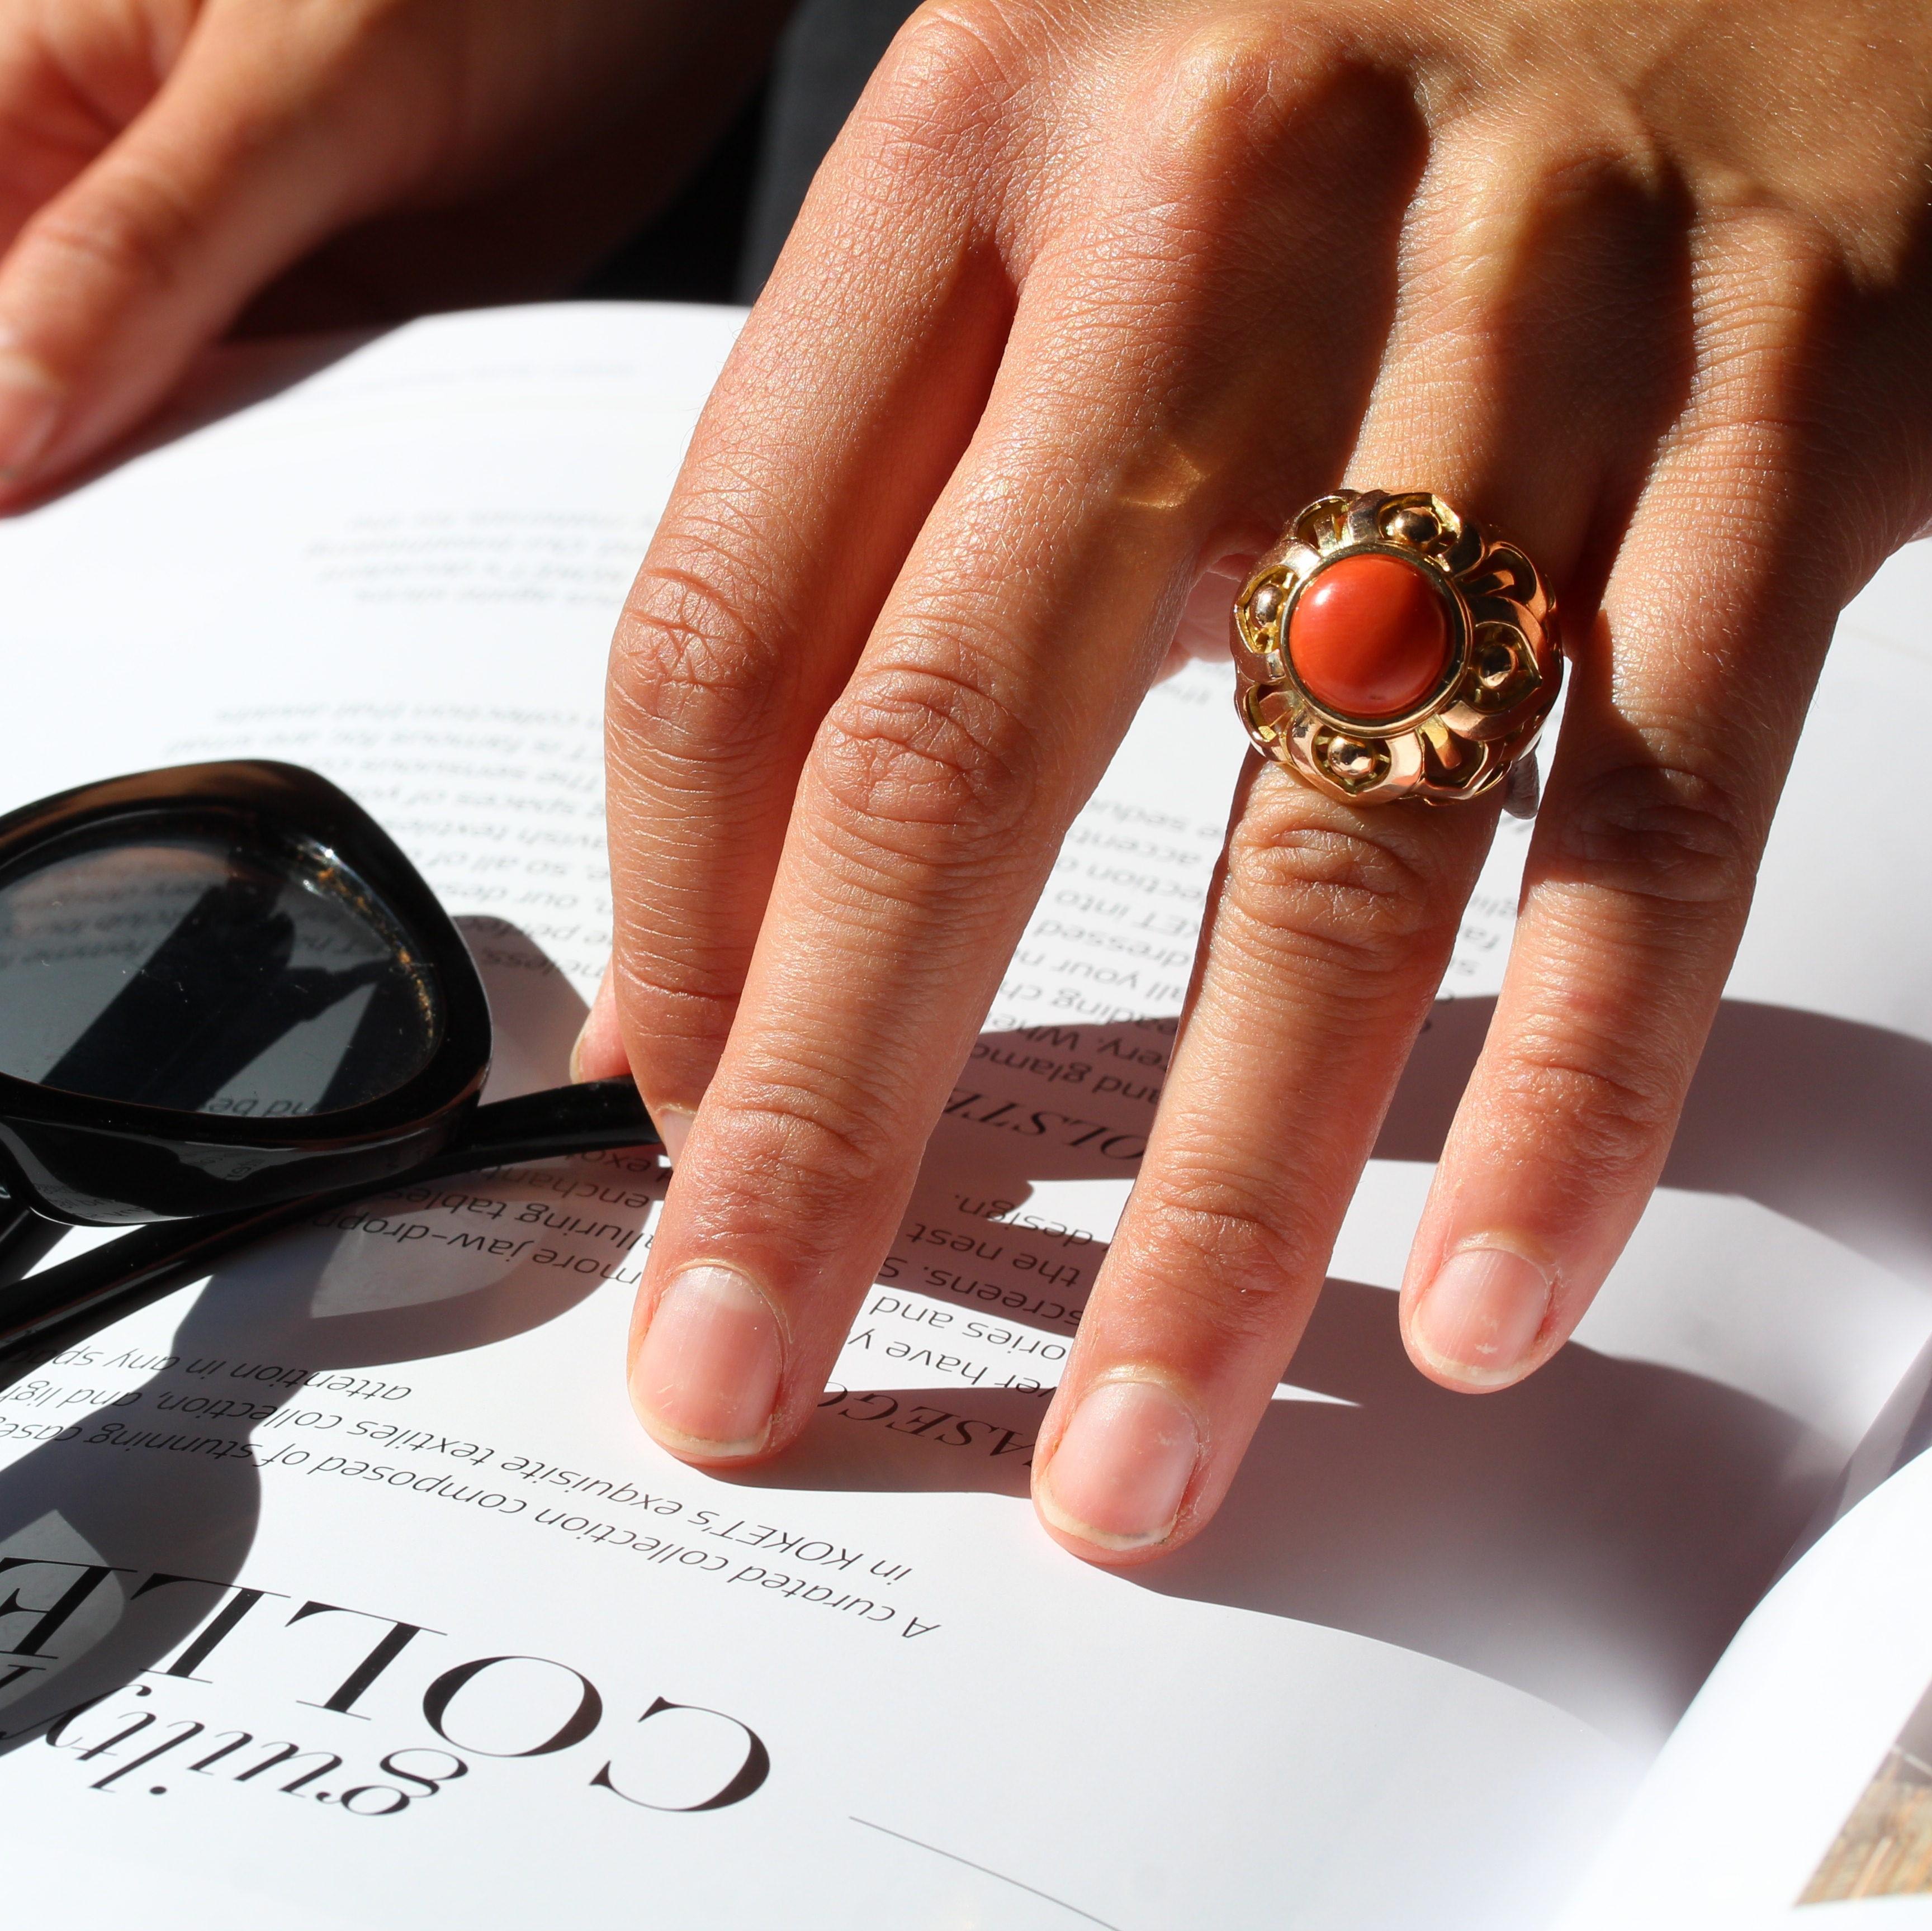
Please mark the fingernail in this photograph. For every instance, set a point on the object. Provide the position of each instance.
(597, 1020)
(706, 1377)
(1477, 1321)
(1121, 1471)
(673, 1123)
(30, 408)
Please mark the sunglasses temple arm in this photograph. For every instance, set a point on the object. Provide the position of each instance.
(51, 1310)
(597, 1116)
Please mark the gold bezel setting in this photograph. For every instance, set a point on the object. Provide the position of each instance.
(1504, 669)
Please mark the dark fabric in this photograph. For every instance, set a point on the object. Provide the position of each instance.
(826, 56)
(692, 252)
(717, 242)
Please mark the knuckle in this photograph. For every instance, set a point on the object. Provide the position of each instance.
(133, 226)
(924, 748)
(688, 674)
(1344, 890)
(1238, 103)
(952, 67)
(1225, 88)
(944, 37)
(788, 1125)
(1219, 1241)
(1663, 831)
(682, 991)
(1610, 1123)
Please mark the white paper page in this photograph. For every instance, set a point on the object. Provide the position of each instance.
(1409, 1680)
(1797, 1791)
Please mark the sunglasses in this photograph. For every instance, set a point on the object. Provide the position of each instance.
(227, 1000)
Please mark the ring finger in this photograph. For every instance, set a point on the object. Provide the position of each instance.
(1332, 923)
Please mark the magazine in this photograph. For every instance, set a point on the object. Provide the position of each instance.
(342, 1585)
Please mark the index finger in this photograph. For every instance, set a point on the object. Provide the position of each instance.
(838, 418)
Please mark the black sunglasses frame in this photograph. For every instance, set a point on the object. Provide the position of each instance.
(215, 1181)
(45, 1313)
(111, 1162)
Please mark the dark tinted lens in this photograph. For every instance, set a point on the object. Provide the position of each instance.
(191, 971)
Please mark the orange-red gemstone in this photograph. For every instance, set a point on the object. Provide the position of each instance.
(1368, 637)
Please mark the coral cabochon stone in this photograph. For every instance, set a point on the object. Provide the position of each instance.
(1368, 637)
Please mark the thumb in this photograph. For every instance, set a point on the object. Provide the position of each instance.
(109, 290)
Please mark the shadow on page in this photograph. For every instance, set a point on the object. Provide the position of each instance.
(1593, 1537)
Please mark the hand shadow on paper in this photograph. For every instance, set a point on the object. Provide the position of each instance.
(223, 379)
(313, 1301)
(1594, 1537)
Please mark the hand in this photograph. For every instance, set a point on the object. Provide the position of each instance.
(1088, 300)
(161, 159)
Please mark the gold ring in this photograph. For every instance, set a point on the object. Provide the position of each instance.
(1387, 649)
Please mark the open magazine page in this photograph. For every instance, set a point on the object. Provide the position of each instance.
(371, 1499)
